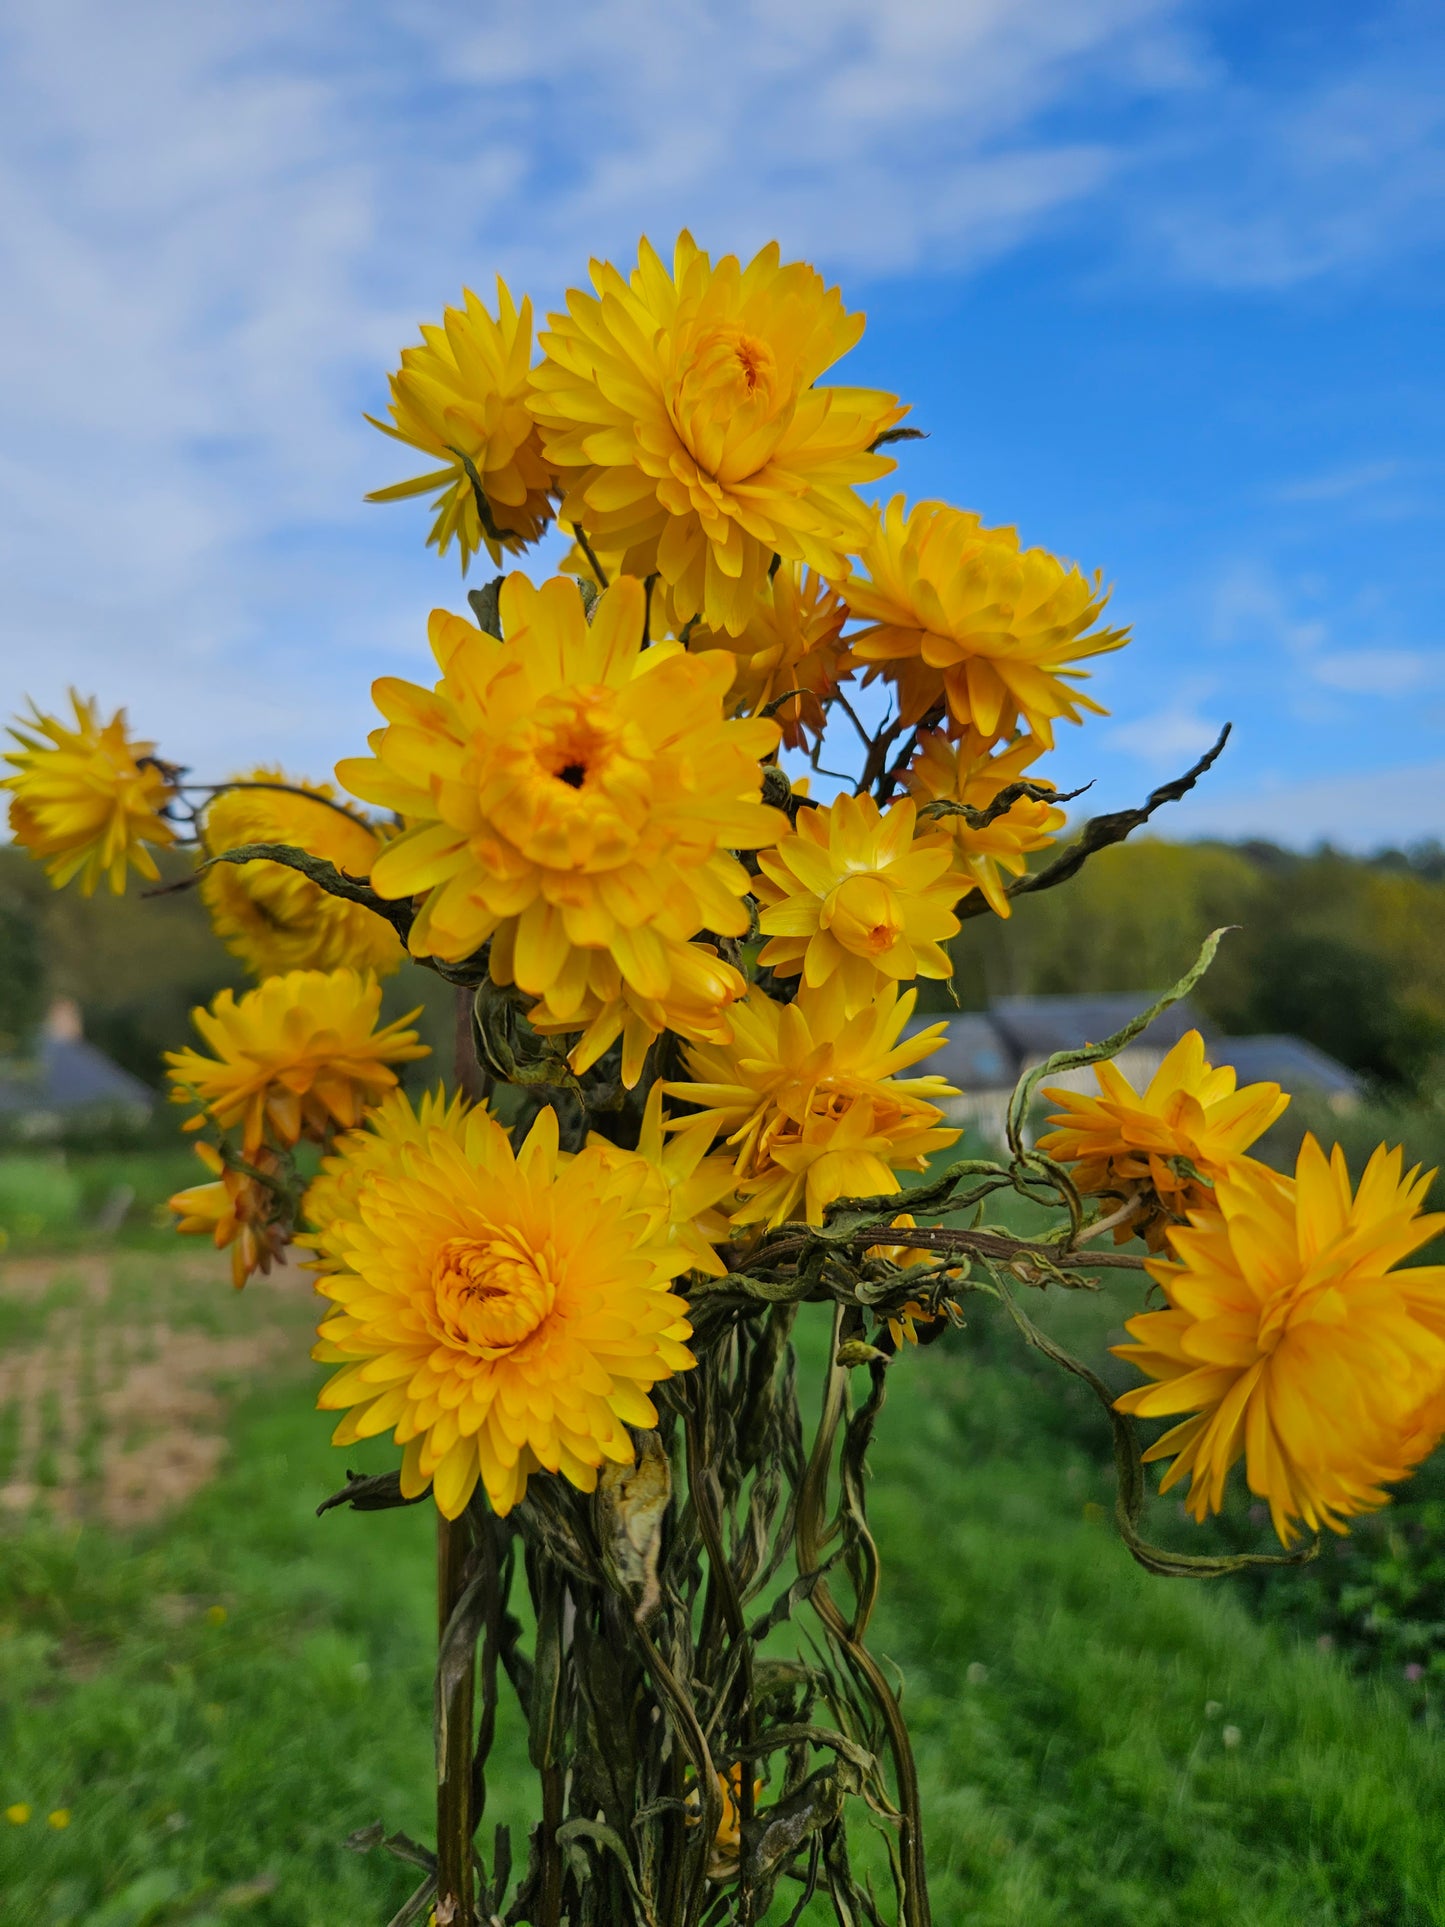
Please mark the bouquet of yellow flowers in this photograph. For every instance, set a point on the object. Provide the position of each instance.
(689, 1091)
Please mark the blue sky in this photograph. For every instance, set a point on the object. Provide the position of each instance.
(1163, 282)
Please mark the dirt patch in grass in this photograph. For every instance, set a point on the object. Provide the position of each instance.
(115, 1408)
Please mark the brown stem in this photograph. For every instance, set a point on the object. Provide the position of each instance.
(454, 1906)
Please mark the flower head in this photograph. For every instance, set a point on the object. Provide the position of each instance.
(243, 1209)
(86, 798)
(297, 1056)
(904, 1322)
(573, 799)
(1190, 1114)
(809, 1102)
(462, 397)
(793, 641)
(1291, 1340)
(502, 1313)
(333, 1197)
(964, 772)
(685, 413)
(961, 616)
(275, 919)
(854, 893)
(695, 1182)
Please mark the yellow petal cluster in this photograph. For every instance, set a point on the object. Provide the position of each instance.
(501, 1313)
(236, 1208)
(793, 641)
(86, 797)
(810, 1105)
(300, 1055)
(1124, 1141)
(275, 919)
(903, 1324)
(462, 398)
(855, 894)
(964, 771)
(333, 1195)
(694, 1182)
(573, 799)
(692, 433)
(1293, 1342)
(961, 618)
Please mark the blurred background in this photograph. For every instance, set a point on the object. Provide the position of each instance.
(1162, 282)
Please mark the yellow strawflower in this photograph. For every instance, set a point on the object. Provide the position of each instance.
(1291, 1340)
(86, 799)
(573, 799)
(695, 1182)
(685, 413)
(235, 1209)
(963, 771)
(275, 919)
(903, 1324)
(961, 617)
(333, 1195)
(503, 1313)
(793, 640)
(855, 894)
(462, 397)
(297, 1056)
(1125, 1141)
(809, 1102)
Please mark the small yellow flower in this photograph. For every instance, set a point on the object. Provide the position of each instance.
(332, 1199)
(855, 893)
(1293, 1342)
(235, 1209)
(965, 772)
(1122, 1141)
(793, 640)
(694, 437)
(728, 1840)
(19, 1814)
(503, 1313)
(275, 919)
(86, 799)
(462, 397)
(574, 799)
(903, 1323)
(810, 1105)
(961, 617)
(59, 1819)
(298, 1056)
(217, 1615)
(696, 1183)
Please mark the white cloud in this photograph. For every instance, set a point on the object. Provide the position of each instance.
(1339, 484)
(1375, 672)
(1370, 810)
(1170, 738)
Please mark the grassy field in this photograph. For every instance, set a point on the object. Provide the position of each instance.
(217, 1688)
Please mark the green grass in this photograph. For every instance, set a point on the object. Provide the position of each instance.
(1074, 1716)
(55, 1200)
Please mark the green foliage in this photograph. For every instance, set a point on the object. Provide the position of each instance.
(56, 1199)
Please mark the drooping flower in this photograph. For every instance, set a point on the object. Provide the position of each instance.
(961, 618)
(904, 1322)
(793, 640)
(298, 1056)
(237, 1208)
(572, 798)
(810, 1104)
(1190, 1114)
(695, 1182)
(686, 415)
(86, 798)
(275, 919)
(462, 397)
(855, 893)
(963, 771)
(1293, 1342)
(502, 1314)
(701, 992)
(333, 1196)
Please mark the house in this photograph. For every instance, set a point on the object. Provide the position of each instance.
(984, 1053)
(65, 1080)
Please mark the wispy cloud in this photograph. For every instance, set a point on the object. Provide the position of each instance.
(1366, 810)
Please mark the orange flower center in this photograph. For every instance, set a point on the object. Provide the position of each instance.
(490, 1294)
(571, 786)
(726, 388)
(862, 913)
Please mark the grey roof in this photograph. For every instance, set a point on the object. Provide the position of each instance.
(1289, 1061)
(973, 1055)
(67, 1074)
(1036, 1027)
